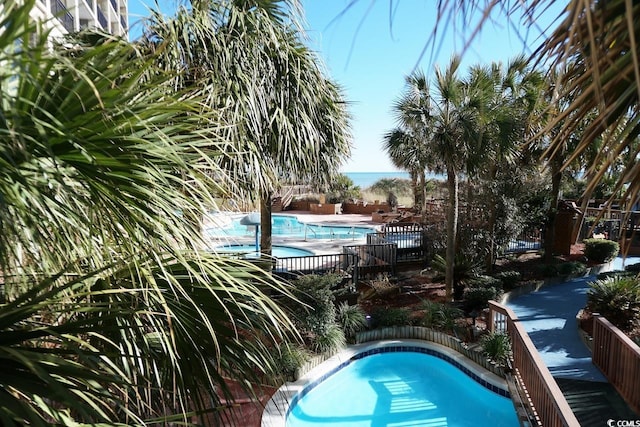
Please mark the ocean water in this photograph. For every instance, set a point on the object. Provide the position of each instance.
(367, 179)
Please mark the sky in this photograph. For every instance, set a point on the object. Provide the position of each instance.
(369, 49)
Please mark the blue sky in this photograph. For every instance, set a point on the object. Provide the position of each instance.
(369, 56)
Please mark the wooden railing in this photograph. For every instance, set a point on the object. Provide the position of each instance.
(540, 389)
(618, 358)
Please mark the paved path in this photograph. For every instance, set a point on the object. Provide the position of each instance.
(549, 317)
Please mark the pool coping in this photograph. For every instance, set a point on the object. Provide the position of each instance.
(276, 410)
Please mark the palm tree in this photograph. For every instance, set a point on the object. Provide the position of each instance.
(600, 39)
(288, 119)
(510, 96)
(111, 313)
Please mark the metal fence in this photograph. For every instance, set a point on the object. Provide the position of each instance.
(373, 259)
(292, 267)
(410, 240)
(528, 241)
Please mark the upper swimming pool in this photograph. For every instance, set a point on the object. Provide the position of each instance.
(400, 385)
(290, 226)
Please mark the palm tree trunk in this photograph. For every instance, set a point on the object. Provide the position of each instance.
(415, 189)
(265, 223)
(491, 226)
(423, 195)
(452, 230)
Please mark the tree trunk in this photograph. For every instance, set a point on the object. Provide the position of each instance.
(415, 189)
(265, 225)
(423, 196)
(452, 230)
(550, 231)
(491, 226)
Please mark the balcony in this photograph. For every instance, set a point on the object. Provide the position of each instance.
(102, 20)
(60, 11)
(114, 4)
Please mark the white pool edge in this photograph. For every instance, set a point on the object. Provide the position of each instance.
(275, 412)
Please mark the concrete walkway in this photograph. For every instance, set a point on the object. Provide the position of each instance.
(549, 317)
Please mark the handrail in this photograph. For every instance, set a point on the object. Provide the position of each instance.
(545, 396)
(618, 357)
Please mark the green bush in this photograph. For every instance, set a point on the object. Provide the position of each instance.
(315, 310)
(509, 279)
(439, 316)
(478, 298)
(329, 340)
(600, 250)
(617, 299)
(351, 318)
(497, 347)
(571, 268)
(485, 282)
(392, 316)
(289, 357)
(633, 268)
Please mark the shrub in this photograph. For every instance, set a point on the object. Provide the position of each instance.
(485, 282)
(351, 318)
(392, 316)
(289, 357)
(478, 298)
(439, 316)
(600, 250)
(317, 310)
(633, 268)
(617, 299)
(497, 347)
(509, 279)
(571, 268)
(328, 340)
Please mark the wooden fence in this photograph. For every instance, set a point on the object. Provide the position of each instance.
(618, 357)
(540, 389)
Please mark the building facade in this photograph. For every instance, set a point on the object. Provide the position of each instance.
(67, 16)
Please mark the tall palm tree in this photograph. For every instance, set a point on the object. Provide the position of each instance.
(288, 119)
(407, 144)
(510, 96)
(110, 312)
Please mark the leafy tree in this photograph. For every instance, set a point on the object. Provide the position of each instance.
(288, 120)
(342, 188)
(111, 312)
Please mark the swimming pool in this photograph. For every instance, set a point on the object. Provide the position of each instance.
(290, 226)
(400, 385)
(277, 251)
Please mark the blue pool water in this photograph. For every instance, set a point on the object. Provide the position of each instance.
(289, 226)
(276, 251)
(400, 389)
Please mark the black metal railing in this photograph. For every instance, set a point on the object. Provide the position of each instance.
(410, 240)
(373, 259)
(291, 267)
(102, 20)
(60, 11)
(528, 241)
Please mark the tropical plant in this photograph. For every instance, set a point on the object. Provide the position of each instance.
(617, 299)
(440, 316)
(112, 312)
(465, 269)
(508, 278)
(600, 250)
(341, 188)
(289, 121)
(351, 318)
(329, 340)
(289, 358)
(497, 347)
(382, 317)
